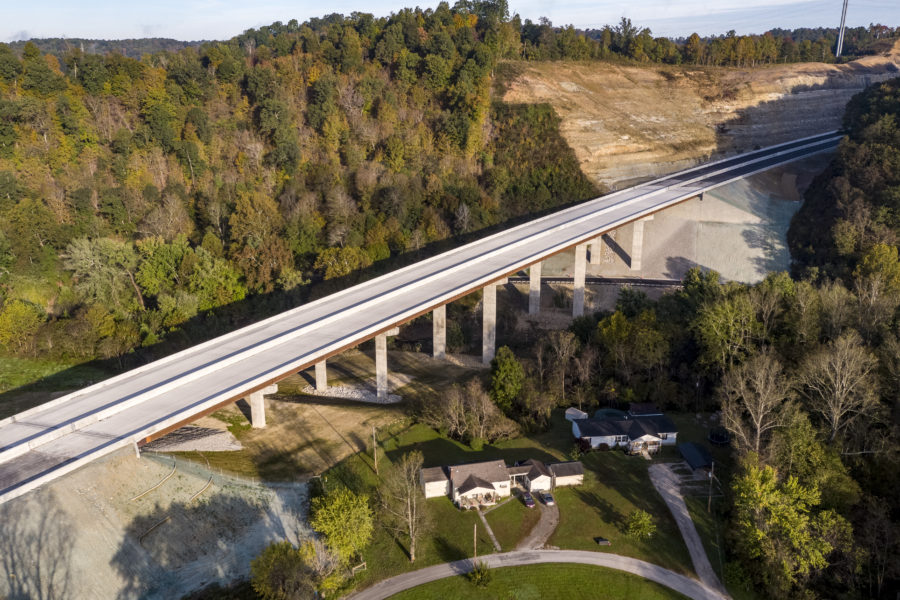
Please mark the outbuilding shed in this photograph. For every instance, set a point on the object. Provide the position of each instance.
(435, 482)
(567, 473)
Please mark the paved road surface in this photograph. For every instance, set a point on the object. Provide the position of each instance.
(681, 584)
(666, 483)
(48, 441)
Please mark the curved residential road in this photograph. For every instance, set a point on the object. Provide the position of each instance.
(681, 584)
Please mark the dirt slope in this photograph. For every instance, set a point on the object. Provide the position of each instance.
(627, 123)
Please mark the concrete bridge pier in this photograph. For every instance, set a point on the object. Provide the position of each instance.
(534, 289)
(596, 250)
(321, 376)
(381, 372)
(580, 268)
(489, 322)
(257, 403)
(637, 243)
(439, 331)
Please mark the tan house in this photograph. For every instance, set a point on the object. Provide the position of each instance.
(477, 484)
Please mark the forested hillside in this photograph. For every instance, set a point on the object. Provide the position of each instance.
(138, 195)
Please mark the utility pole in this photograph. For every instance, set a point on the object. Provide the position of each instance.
(712, 470)
(375, 450)
(840, 44)
(475, 541)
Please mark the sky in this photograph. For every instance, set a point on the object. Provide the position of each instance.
(223, 19)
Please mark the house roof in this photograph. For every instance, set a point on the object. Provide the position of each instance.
(696, 455)
(537, 469)
(637, 409)
(432, 474)
(472, 483)
(633, 428)
(574, 413)
(567, 469)
(487, 472)
(518, 470)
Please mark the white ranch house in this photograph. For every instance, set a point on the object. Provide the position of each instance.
(634, 434)
(485, 483)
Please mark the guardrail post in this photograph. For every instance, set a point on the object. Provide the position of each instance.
(534, 289)
(439, 330)
(596, 249)
(381, 374)
(580, 267)
(321, 376)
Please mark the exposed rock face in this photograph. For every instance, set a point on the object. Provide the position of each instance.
(630, 123)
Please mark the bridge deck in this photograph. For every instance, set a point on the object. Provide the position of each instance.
(57, 437)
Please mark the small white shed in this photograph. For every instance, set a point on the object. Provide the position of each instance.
(567, 473)
(435, 482)
(573, 413)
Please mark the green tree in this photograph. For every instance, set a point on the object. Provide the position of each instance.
(346, 521)
(279, 573)
(507, 377)
(640, 525)
(727, 329)
(104, 271)
(19, 321)
(338, 262)
(776, 530)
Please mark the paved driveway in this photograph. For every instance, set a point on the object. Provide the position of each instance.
(541, 532)
(666, 483)
(681, 584)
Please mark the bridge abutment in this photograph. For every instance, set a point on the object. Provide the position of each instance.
(258, 406)
(637, 243)
(596, 250)
(580, 268)
(321, 376)
(534, 289)
(439, 331)
(381, 369)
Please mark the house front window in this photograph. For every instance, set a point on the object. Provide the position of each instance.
(621, 439)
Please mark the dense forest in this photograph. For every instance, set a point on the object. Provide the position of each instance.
(138, 196)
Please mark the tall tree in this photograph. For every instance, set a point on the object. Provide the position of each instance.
(839, 382)
(402, 503)
(754, 395)
(346, 521)
(507, 377)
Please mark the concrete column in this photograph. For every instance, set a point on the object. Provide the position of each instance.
(381, 374)
(637, 243)
(439, 330)
(580, 267)
(321, 376)
(488, 323)
(596, 250)
(534, 289)
(258, 406)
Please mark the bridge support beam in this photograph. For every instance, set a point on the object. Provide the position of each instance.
(534, 289)
(489, 322)
(381, 372)
(257, 403)
(439, 331)
(637, 243)
(321, 376)
(596, 250)
(580, 267)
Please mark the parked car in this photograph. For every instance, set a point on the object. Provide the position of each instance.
(547, 498)
(528, 500)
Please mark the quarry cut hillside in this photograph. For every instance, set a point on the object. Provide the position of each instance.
(629, 123)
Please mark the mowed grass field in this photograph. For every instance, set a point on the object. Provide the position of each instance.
(545, 582)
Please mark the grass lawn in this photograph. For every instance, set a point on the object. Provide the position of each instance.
(543, 582)
(614, 486)
(42, 378)
(512, 522)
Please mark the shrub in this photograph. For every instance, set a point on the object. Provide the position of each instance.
(603, 447)
(480, 575)
(640, 525)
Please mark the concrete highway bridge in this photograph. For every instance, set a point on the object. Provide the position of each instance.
(48, 441)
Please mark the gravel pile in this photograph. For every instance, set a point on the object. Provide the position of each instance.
(352, 393)
(193, 438)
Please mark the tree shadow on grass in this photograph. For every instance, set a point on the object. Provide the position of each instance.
(36, 548)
